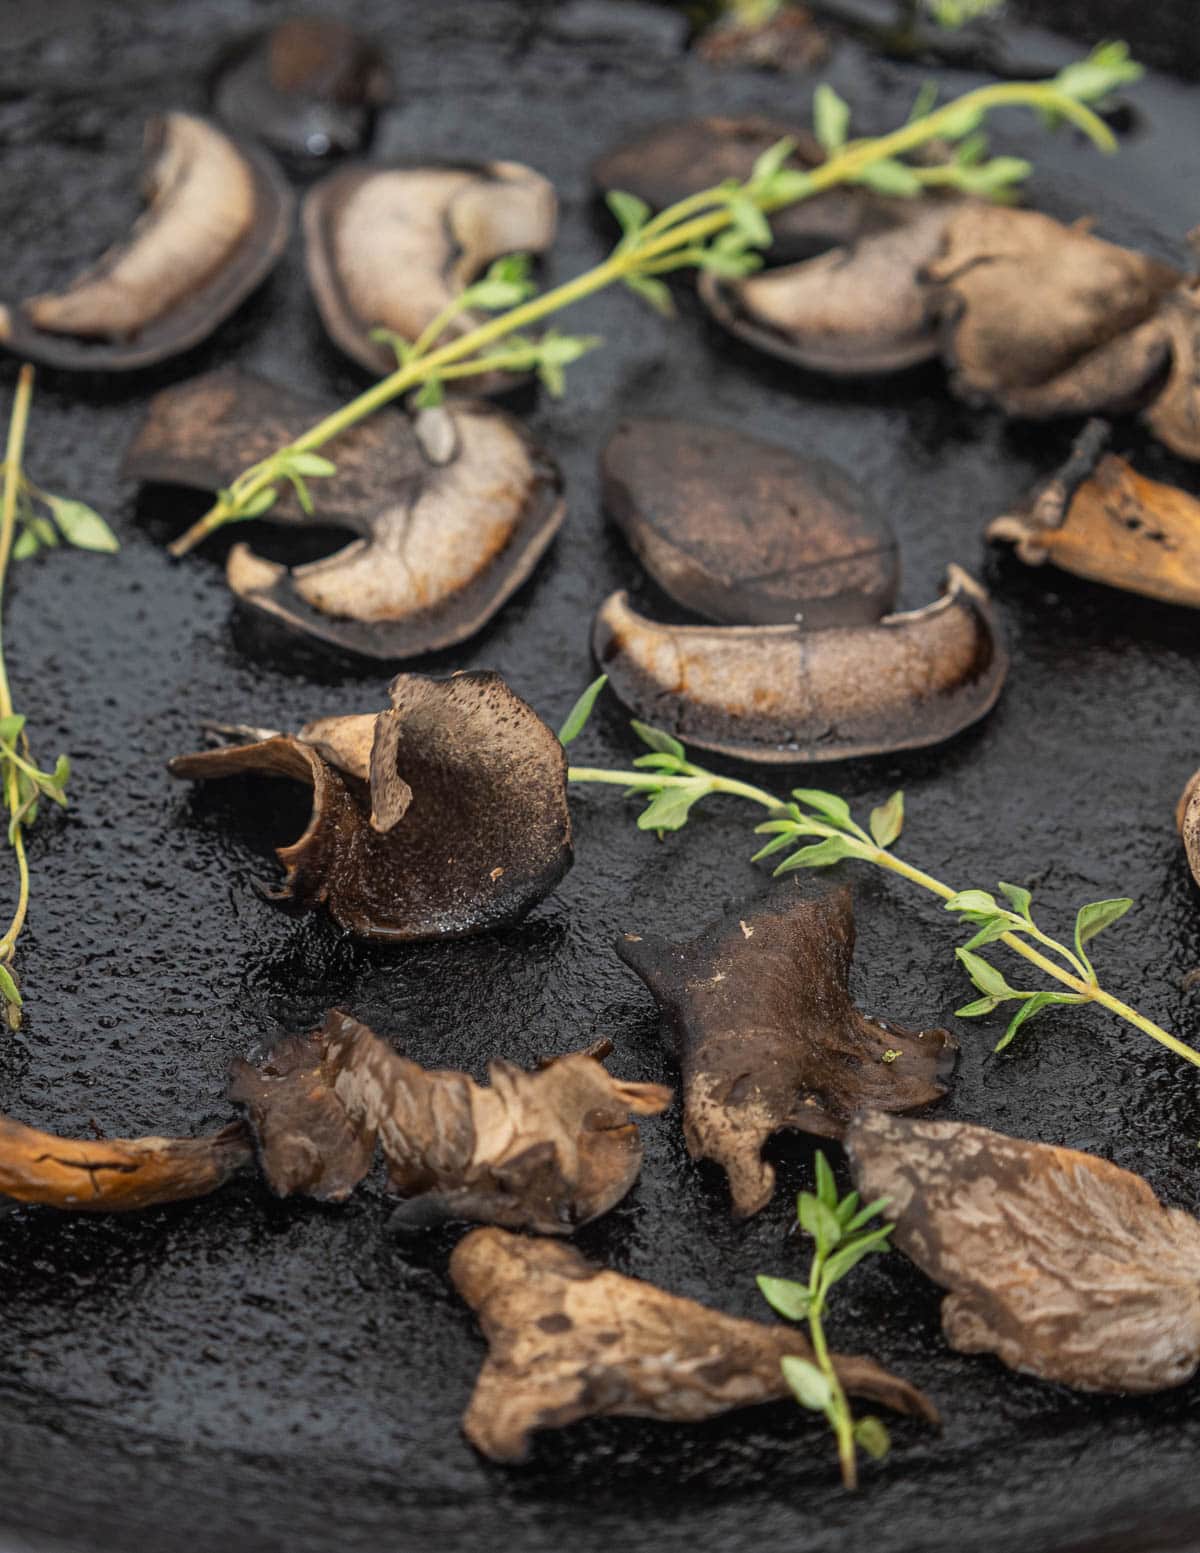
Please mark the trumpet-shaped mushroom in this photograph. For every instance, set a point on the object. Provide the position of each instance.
(782, 694)
(546, 1151)
(217, 220)
(1061, 1264)
(567, 1340)
(442, 816)
(452, 510)
(767, 1036)
(744, 531)
(1187, 816)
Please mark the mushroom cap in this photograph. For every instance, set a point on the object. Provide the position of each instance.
(1187, 817)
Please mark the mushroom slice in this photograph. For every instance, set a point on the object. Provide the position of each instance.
(1097, 517)
(781, 694)
(218, 218)
(1187, 817)
(453, 509)
(567, 1340)
(1174, 416)
(442, 816)
(1061, 1264)
(391, 247)
(767, 1037)
(115, 1175)
(546, 1151)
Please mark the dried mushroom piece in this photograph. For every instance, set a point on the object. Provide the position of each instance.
(567, 1340)
(767, 1036)
(442, 816)
(391, 247)
(745, 531)
(1061, 1264)
(1098, 518)
(218, 218)
(784, 694)
(1187, 817)
(788, 41)
(1174, 416)
(453, 509)
(547, 1151)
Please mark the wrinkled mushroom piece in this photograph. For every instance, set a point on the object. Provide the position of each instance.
(745, 531)
(217, 220)
(1063, 1265)
(443, 816)
(1187, 817)
(567, 1340)
(546, 1151)
(784, 694)
(789, 41)
(767, 1037)
(452, 508)
(1174, 415)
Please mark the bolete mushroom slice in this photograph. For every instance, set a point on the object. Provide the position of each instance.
(1187, 817)
(452, 510)
(567, 1340)
(218, 218)
(391, 247)
(1063, 1265)
(443, 816)
(744, 531)
(767, 1037)
(783, 694)
(547, 1151)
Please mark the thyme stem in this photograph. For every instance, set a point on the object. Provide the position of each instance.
(13, 454)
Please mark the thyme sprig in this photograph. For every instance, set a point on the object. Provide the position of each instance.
(723, 229)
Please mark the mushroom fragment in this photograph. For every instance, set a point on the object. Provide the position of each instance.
(217, 220)
(452, 508)
(547, 1151)
(745, 531)
(789, 40)
(1063, 1265)
(1187, 817)
(443, 816)
(567, 1341)
(783, 694)
(767, 1036)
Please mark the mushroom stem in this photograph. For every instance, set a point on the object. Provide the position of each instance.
(8, 516)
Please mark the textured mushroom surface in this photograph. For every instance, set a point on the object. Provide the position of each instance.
(452, 509)
(546, 1151)
(444, 815)
(745, 531)
(1061, 1264)
(217, 220)
(567, 1340)
(1187, 817)
(1174, 415)
(783, 694)
(767, 1037)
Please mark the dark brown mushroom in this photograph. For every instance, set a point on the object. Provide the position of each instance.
(789, 41)
(218, 218)
(546, 1151)
(1174, 415)
(783, 694)
(745, 531)
(1061, 1264)
(453, 509)
(443, 816)
(391, 247)
(1187, 817)
(767, 1037)
(567, 1340)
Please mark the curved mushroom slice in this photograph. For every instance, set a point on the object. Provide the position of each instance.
(781, 694)
(547, 1151)
(567, 1340)
(443, 816)
(454, 509)
(767, 1037)
(218, 219)
(1187, 817)
(391, 247)
(1061, 1264)
(1174, 416)
(741, 530)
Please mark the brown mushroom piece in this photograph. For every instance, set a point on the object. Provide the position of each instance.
(547, 1151)
(443, 816)
(745, 531)
(1063, 1265)
(782, 694)
(767, 1037)
(1174, 414)
(452, 509)
(1187, 817)
(789, 41)
(218, 218)
(391, 247)
(1100, 519)
(567, 1340)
